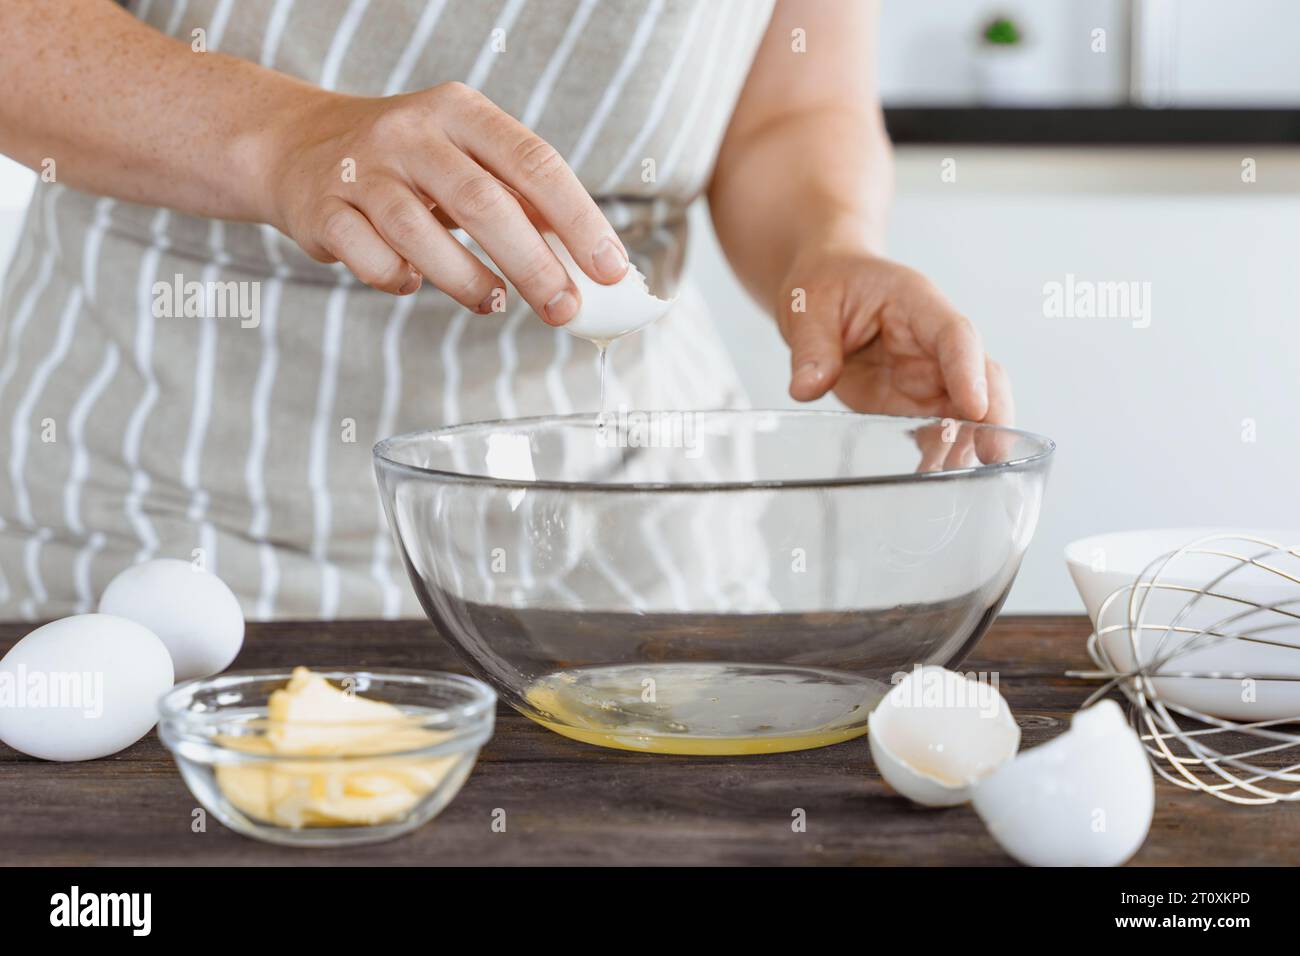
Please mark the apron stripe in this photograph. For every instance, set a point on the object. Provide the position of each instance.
(38, 596)
(509, 355)
(23, 316)
(77, 432)
(178, 14)
(686, 130)
(201, 410)
(587, 141)
(451, 368)
(94, 241)
(329, 74)
(733, 76)
(655, 116)
(91, 258)
(397, 80)
(20, 428)
(259, 425)
(318, 460)
(144, 333)
(380, 568)
(217, 27)
(275, 31)
(487, 56)
(81, 572)
(546, 82)
(12, 338)
(555, 372)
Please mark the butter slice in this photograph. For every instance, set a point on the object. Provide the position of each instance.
(310, 717)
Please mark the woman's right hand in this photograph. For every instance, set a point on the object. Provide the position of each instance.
(424, 163)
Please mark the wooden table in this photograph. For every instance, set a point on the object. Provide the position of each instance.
(569, 803)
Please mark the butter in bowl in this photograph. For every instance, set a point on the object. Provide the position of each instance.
(330, 758)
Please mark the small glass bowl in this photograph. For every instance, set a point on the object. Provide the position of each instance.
(216, 728)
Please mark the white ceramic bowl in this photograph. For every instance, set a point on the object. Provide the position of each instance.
(1103, 563)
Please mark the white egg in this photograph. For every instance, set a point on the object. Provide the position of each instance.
(937, 732)
(83, 687)
(1082, 799)
(609, 312)
(191, 610)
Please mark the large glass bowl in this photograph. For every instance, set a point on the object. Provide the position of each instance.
(710, 582)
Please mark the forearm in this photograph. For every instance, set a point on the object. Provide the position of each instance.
(817, 176)
(166, 125)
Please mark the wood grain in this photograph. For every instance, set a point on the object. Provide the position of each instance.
(569, 803)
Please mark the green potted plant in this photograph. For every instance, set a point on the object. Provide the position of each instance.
(1002, 32)
(1004, 66)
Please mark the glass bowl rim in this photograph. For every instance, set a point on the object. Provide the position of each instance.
(380, 453)
(467, 726)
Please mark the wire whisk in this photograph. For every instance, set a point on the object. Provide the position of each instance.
(1196, 662)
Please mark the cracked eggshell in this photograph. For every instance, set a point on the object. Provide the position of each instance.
(937, 732)
(1082, 799)
(609, 312)
(191, 610)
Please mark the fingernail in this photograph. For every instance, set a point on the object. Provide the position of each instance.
(411, 285)
(489, 303)
(562, 307)
(808, 373)
(609, 259)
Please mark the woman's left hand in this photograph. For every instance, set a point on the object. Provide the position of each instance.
(884, 339)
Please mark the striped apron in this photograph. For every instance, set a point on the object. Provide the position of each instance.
(127, 436)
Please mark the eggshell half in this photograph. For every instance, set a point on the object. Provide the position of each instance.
(1083, 799)
(83, 687)
(192, 611)
(937, 732)
(609, 312)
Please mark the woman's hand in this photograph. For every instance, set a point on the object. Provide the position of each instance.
(352, 179)
(885, 340)
(424, 163)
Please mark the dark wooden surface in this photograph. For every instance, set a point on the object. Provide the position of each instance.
(569, 803)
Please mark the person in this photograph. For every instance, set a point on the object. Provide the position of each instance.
(251, 254)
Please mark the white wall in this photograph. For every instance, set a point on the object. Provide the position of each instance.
(1221, 53)
(927, 55)
(1246, 52)
(1149, 421)
(16, 184)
